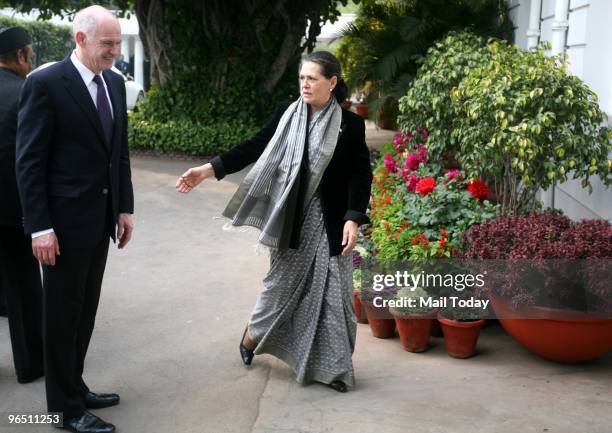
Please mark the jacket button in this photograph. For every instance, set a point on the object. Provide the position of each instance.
(105, 191)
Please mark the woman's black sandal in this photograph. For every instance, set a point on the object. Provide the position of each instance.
(246, 354)
(338, 385)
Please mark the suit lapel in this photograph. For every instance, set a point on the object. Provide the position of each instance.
(77, 89)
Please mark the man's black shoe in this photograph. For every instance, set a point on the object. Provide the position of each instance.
(100, 401)
(88, 423)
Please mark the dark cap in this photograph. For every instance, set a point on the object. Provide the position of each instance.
(12, 38)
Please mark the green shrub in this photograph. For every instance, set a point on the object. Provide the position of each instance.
(186, 136)
(50, 42)
(516, 118)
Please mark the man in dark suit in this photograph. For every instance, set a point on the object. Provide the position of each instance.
(19, 270)
(73, 172)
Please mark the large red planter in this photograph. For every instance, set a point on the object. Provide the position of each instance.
(460, 338)
(380, 326)
(564, 336)
(359, 310)
(414, 330)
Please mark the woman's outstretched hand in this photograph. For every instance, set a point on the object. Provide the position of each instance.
(193, 177)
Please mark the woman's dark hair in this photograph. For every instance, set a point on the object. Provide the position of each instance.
(330, 66)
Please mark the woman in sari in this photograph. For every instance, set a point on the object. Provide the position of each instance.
(307, 193)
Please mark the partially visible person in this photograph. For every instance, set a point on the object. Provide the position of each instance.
(122, 65)
(73, 174)
(19, 270)
(307, 193)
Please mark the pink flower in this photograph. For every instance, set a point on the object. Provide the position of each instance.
(425, 186)
(390, 163)
(412, 161)
(424, 133)
(398, 139)
(422, 151)
(451, 174)
(411, 182)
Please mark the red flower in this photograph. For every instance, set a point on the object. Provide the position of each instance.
(443, 243)
(444, 233)
(425, 186)
(420, 239)
(478, 189)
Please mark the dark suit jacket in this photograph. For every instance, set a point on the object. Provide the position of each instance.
(66, 171)
(345, 186)
(10, 87)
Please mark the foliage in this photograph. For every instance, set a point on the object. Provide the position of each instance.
(418, 210)
(406, 293)
(50, 42)
(546, 259)
(515, 117)
(186, 136)
(382, 50)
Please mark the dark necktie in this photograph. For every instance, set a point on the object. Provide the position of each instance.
(104, 110)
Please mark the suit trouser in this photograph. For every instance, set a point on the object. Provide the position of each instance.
(71, 296)
(20, 277)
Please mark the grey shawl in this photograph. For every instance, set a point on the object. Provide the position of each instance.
(266, 197)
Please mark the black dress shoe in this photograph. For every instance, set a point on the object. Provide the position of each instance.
(88, 423)
(99, 401)
(246, 354)
(338, 385)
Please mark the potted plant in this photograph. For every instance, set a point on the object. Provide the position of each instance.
(418, 210)
(413, 320)
(549, 282)
(514, 117)
(381, 322)
(461, 328)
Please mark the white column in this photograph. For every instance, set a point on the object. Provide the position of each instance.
(533, 33)
(125, 48)
(560, 26)
(138, 62)
(559, 39)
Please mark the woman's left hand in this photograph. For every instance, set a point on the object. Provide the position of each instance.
(349, 236)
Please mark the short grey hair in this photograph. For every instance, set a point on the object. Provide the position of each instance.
(86, 22)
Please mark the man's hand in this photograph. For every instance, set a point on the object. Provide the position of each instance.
(45, 248)
(193, 177)
(125, 227)
(349, 236)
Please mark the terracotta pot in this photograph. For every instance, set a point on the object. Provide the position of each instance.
(362, 110)
(414, 330)
(564, 336)
(359, 310)
(460, 338)
(380, 326)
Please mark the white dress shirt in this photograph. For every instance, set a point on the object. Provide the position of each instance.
(87, 75)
